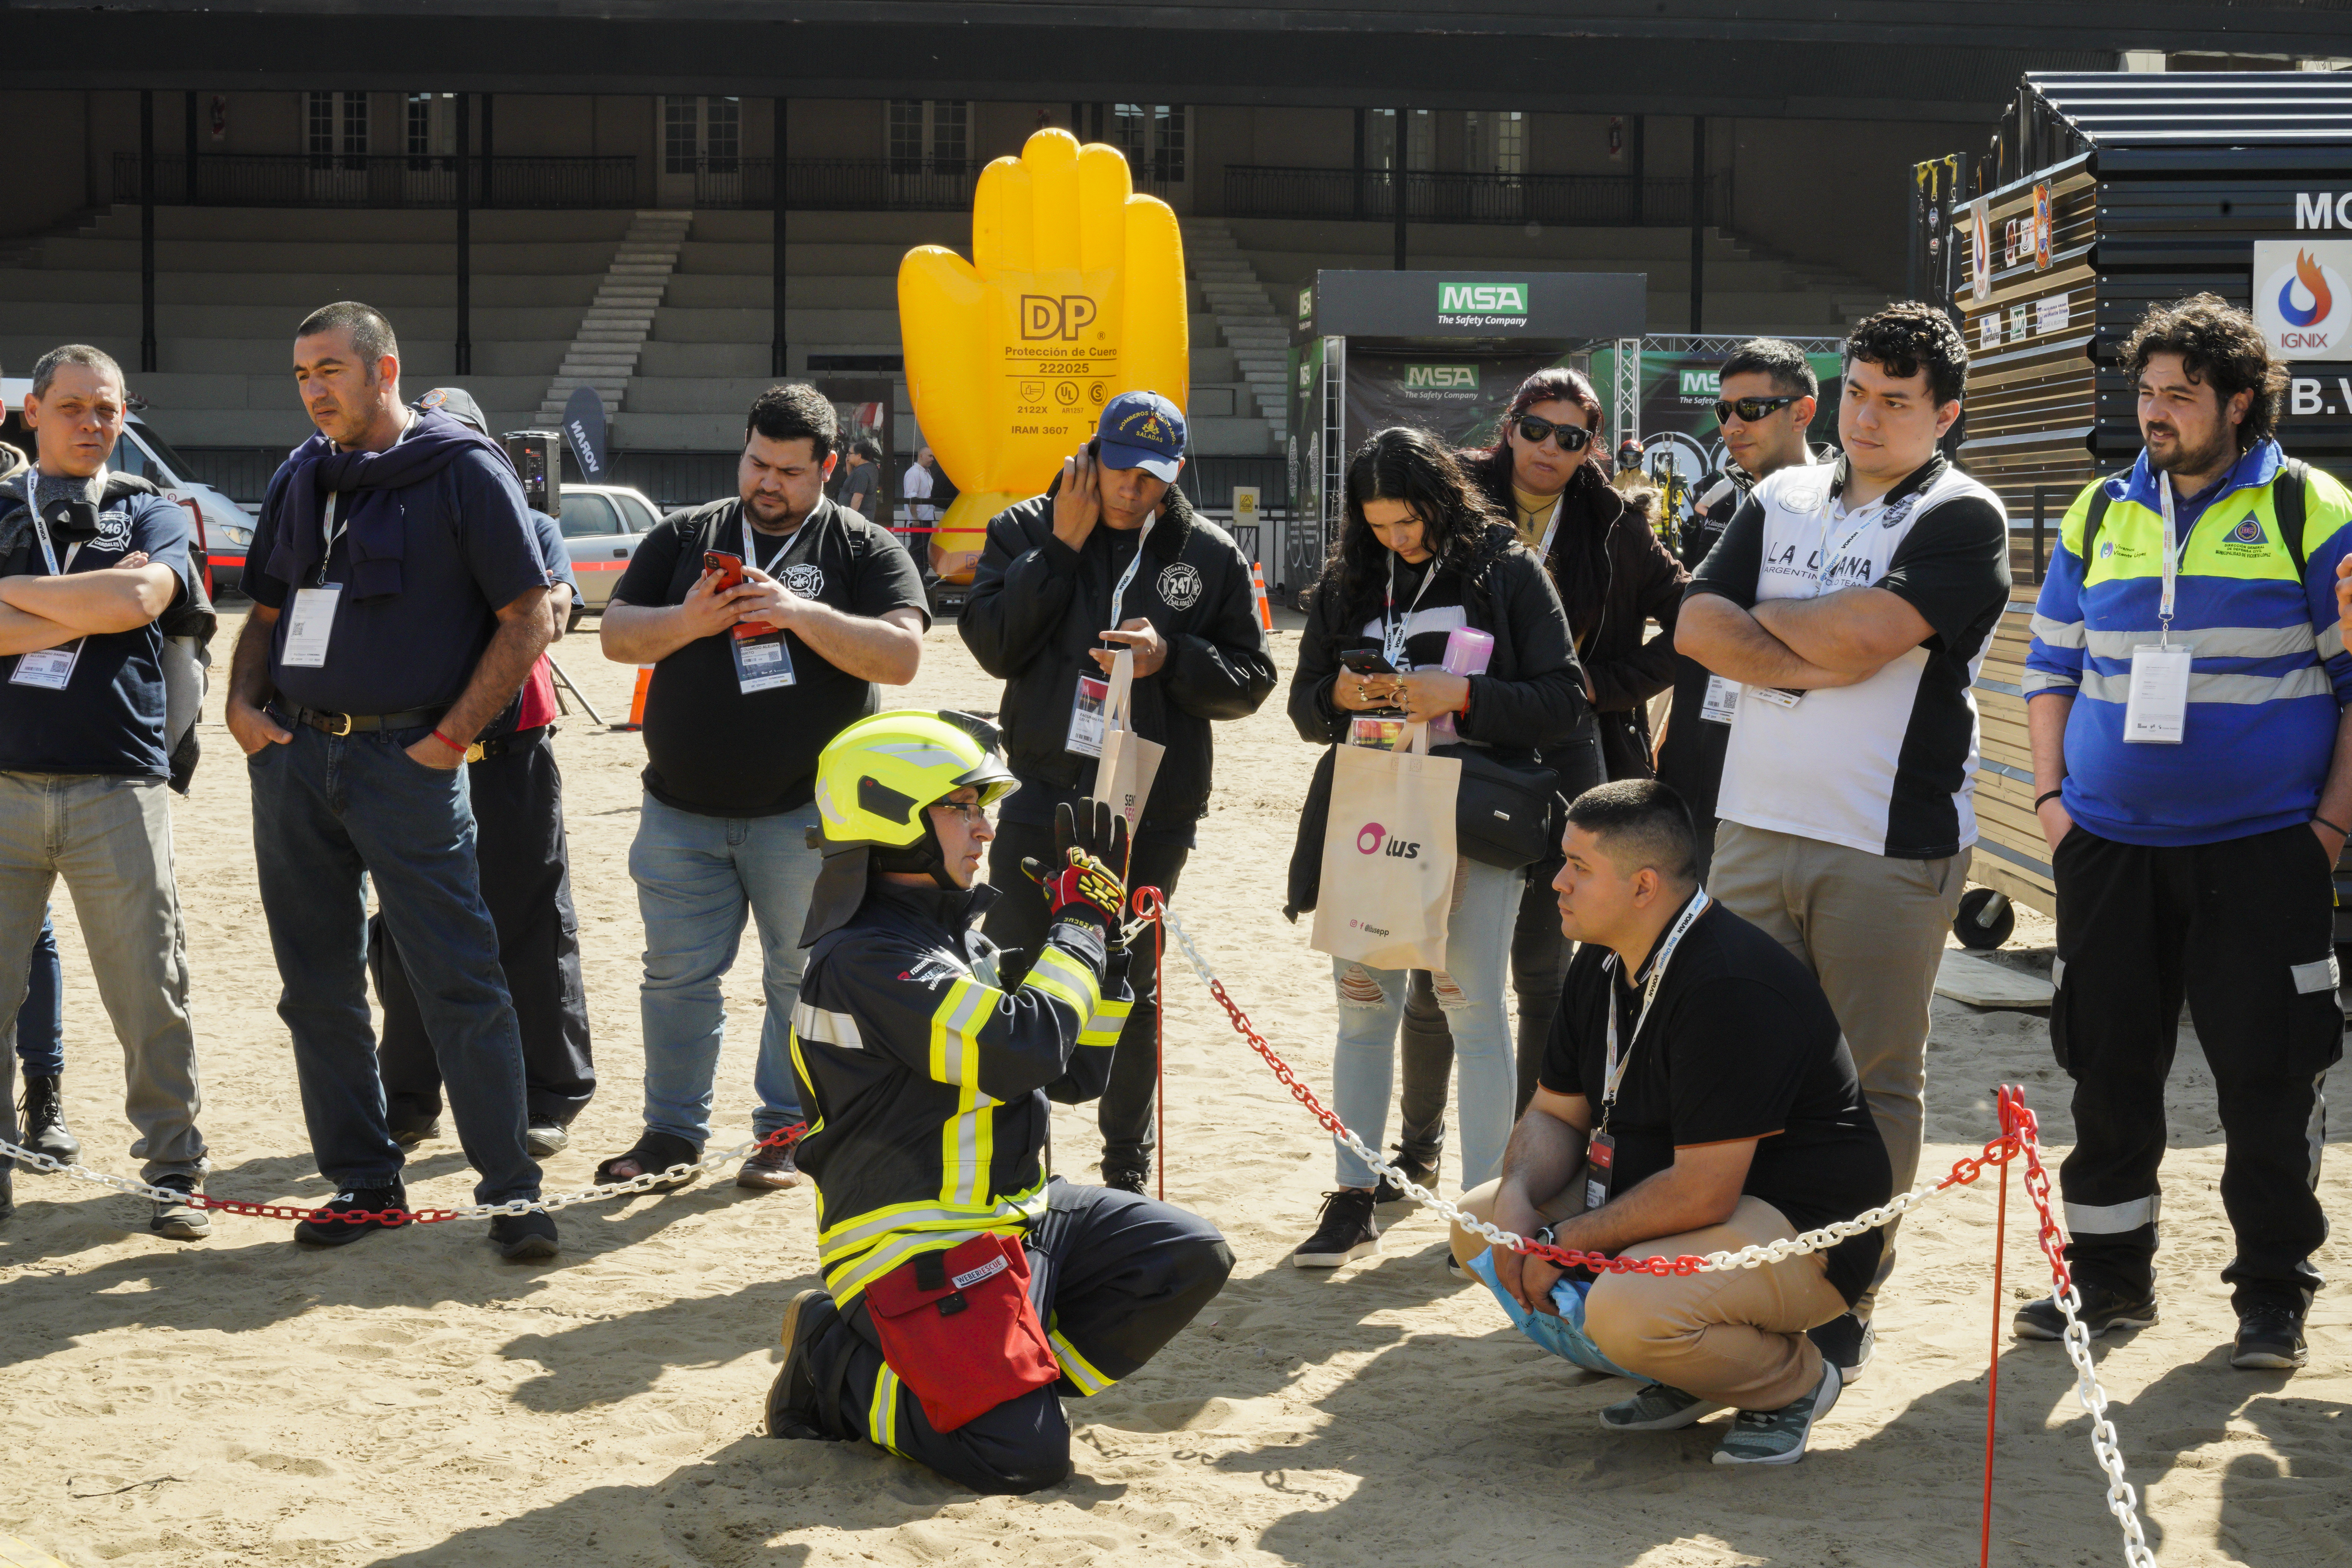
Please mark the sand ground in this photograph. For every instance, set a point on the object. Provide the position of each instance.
(414, 1401)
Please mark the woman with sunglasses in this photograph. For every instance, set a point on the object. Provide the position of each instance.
(1550, 471)
(1421, 552)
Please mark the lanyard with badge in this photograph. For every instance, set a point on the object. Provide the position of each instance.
(2156, 711)
(311, 620)
(1395, 628)
(1089, 702)
(761, 662)
(1600, 1145)
(49, 668)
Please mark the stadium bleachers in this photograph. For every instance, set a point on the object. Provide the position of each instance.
(232, 282)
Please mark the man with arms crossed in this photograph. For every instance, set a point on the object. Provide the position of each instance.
(1854, 604)
(88, 561)
(1695, 1097)
(2193, 823)
(399, 600)
(749, 683)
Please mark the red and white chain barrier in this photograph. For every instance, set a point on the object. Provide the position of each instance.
(649, 1182)
(2019, 1137)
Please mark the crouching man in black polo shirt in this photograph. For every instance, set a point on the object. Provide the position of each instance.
(1696, 1098)
(399, 601)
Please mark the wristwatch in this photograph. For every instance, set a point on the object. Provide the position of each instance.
(1545, 1235)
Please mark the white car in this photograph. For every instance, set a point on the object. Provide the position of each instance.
(227, 527)
(602, 525)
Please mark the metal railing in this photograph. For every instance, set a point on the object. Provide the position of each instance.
(851, 185)
(1613, 201)
(379, 180)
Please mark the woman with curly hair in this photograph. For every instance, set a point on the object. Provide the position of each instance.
(1420, 553)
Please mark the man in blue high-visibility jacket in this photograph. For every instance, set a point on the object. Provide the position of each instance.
(2188, 692)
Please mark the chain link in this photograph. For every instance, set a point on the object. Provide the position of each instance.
(48, 1165)
(2123, 1500)
(2020, 1138)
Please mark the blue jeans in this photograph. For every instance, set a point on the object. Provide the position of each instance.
(41, 1021)
(698, 879)
(329, 814)
(1471, 991)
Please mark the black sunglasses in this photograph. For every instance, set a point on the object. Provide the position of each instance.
(1751, 409)
(1571, 437)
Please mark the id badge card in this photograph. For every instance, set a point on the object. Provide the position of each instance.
(1600, 1167)
(1779, 696)
(2156, 712)
(309, 624)
(762, 664)
(1722, 701)
(48, 669)
(1086, 737)
(1380, 734)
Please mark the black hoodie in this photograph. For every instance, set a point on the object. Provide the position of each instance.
(1037, 608)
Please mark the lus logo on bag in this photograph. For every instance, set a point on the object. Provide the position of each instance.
(1370, 837)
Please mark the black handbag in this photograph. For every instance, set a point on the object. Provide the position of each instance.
(1502, 815)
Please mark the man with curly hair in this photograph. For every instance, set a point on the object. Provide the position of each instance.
(2187, 691)
(1853, 603)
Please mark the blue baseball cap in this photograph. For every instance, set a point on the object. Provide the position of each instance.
(1142, 430)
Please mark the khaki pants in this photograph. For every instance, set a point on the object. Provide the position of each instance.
(108, 839)
(1872, 929)
(1734, 1338)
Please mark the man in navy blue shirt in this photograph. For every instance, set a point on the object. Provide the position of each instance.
(89, 560)
(399, 601)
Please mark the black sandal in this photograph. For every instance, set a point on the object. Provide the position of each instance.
(654, 1152)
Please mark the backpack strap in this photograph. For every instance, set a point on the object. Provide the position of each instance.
(2098, 515)
(2288, 501)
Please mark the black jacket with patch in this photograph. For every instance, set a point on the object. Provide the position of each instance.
(1037, 608)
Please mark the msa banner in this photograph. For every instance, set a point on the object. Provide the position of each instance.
(1460, 396)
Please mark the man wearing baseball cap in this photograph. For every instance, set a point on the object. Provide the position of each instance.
(1112, 556)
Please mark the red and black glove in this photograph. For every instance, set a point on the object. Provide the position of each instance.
(1088, 882)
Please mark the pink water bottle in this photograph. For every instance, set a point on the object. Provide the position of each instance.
(1467, 650)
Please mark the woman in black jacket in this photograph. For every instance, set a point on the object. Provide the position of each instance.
(1420, 553)
(1548, 472)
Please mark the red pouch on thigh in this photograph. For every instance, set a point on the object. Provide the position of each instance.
(958, 1329)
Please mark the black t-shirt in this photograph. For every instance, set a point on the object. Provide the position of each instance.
(715, 749)
(109, 717)
(1740, 1044)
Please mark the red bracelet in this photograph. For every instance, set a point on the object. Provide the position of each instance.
(453, 745)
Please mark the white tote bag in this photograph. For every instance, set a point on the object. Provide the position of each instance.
(1388, 856)
(1129, 762)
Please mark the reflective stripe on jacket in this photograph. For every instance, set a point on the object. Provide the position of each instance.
(2269, 672)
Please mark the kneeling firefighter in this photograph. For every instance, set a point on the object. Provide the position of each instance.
(965, 1290)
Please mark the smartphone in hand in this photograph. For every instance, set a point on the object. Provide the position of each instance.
(1367, 661)
(728, 567)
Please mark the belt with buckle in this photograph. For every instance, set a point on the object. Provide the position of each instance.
(360, 723)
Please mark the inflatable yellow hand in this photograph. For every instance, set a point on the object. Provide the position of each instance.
(1074, 293)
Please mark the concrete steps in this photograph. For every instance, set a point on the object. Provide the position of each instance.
(1256, 334)
(604, 349)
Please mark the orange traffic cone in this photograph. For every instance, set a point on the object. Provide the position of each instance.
(637, 700)
(1257, 591)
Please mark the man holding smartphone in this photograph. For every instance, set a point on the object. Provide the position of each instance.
(1111, 556)
(769, 620)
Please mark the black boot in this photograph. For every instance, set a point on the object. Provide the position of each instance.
(42, 1115)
